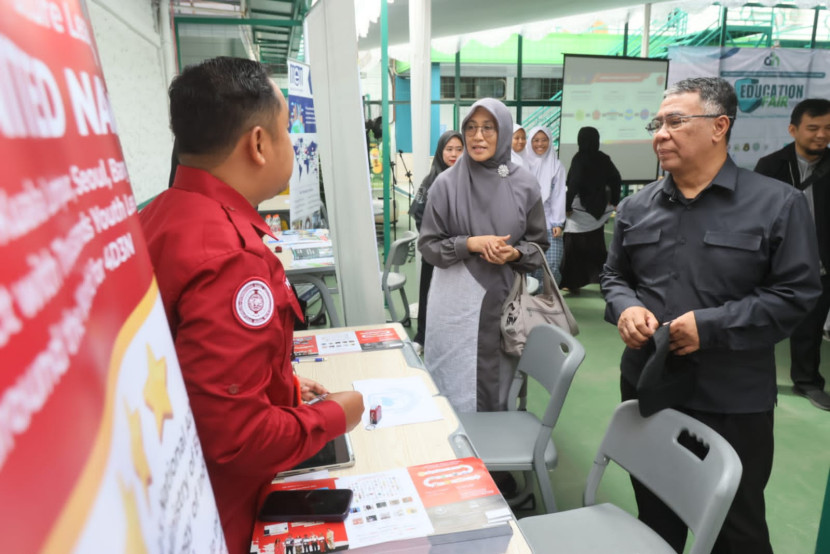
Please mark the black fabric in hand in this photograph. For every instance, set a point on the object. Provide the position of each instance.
(667, 380)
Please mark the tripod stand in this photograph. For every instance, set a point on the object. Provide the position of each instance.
(394, 203)
(411, 194)
(411, 190)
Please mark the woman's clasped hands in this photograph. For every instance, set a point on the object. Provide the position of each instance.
(493, 248)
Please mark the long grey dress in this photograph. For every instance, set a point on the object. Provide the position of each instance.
(463, 349)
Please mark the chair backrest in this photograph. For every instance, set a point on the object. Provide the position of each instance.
(699, 490)
(398, 252)
(551, 357)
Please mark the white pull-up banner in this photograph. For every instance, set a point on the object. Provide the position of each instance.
(769, 83)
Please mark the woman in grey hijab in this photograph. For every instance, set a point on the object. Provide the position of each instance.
(479, 218)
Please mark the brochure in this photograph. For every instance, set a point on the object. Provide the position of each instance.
(414, 509)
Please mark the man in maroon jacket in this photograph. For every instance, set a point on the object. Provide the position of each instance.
(230, 306)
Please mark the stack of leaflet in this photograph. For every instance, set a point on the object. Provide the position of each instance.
(427, 508)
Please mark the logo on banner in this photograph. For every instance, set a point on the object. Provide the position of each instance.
(752, 93)
(772, 60)
(253, 304)
(297, 75)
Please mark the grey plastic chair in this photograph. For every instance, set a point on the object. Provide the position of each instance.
(700, 491)
(518, 440)
(391, 279)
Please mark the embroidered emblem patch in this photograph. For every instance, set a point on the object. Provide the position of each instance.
(253, 304)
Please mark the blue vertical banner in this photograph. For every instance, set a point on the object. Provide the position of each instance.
(301, 115)
(302, 123)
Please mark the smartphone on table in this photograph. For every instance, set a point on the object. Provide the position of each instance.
(306, 505)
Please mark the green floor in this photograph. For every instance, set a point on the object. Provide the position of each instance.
(802, 456)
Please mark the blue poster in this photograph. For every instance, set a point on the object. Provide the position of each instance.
(301, 115)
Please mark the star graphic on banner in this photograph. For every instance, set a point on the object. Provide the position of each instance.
(142, 467)
(155, 390)
(134, 542)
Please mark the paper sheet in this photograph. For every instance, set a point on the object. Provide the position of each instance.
(385, 505)
(403, 401)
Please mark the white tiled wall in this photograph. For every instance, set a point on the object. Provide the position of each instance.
(129, 45)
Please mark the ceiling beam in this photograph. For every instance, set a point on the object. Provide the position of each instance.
(269, 12)
(197, 20)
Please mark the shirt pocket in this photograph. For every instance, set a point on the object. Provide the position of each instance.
(643, 250)
(739, 260)
(739, 241)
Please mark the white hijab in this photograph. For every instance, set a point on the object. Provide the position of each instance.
(544, 167)
(518, 158)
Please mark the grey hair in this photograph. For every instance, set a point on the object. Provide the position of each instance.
(716, 95)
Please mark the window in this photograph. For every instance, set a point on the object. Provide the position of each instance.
(473, 88)
(540, 88)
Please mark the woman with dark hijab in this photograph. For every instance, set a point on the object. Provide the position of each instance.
(593, 193)
(480, 217)
(450, 147)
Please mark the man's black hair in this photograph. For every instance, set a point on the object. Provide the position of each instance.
(813, 107)
(213, 103)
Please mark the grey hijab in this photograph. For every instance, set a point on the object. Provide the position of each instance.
(482, 190)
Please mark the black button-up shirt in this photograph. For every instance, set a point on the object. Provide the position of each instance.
(742, 255)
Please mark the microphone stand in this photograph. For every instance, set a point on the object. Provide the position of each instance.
(411, 186)
(394, 218)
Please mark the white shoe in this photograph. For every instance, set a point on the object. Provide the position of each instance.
(418, 347)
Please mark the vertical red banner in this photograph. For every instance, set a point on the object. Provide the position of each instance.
(92, 408)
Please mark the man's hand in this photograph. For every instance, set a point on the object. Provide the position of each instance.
(352, 404)
(636, 326)
(683, 337)
(310, 389)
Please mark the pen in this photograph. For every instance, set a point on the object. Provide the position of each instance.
(300, 360)
(316, 399)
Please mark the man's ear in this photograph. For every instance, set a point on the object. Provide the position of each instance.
(792, 130)
(721, 126)
(255, 144)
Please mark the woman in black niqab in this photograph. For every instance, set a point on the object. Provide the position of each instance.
(594, 185)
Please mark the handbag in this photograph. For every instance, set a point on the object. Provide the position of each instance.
(522, 311)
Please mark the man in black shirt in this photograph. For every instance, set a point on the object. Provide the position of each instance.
(805, 164)
(727, 258)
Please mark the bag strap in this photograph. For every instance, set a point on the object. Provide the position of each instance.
(552, 289)
(549, 283)
(519, 286)
(818, 172)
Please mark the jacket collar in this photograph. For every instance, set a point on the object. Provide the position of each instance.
(199, 181)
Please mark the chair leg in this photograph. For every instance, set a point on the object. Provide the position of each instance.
(405, 321)
(545, 488)
(393, 313)
(524, 496)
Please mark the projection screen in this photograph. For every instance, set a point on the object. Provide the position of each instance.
(618, 96)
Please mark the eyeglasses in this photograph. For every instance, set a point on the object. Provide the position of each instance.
(487, 131)
(675, 122)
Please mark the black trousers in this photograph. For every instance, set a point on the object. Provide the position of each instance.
(745, 529)
(423, 291)
(805, 343)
